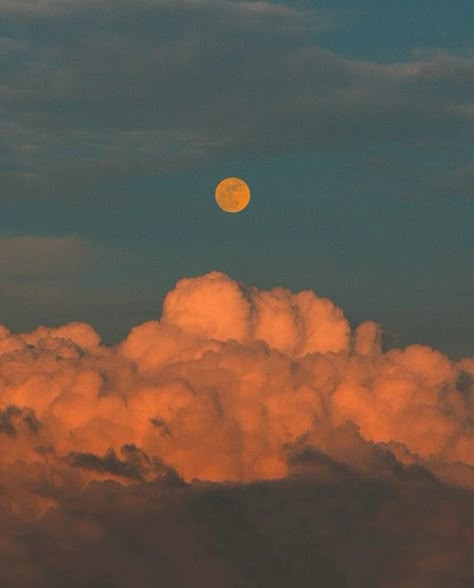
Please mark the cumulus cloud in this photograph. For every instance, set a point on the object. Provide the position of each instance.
(224, 384)
(424, 181)
(235, 401)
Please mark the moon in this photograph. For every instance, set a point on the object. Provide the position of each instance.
(232, 194)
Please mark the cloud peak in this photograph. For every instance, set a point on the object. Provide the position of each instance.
(224, 385)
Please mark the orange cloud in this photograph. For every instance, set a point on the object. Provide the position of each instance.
(222, 387)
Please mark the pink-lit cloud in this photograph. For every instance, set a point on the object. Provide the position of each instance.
(235, 400)
(222, 386)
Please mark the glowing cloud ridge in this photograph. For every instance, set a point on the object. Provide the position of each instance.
(229, 385)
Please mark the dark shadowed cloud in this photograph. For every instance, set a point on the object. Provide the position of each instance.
(91, 89)
(340, 530)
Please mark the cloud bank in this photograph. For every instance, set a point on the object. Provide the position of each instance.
(236, 401)
(225, 386)
(94, 88)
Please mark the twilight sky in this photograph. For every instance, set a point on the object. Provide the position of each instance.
(280, 398)
(352, 123)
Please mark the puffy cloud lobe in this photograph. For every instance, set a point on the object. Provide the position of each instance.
(225, 386)
(368, 338)
(214, 307)
(210, 307)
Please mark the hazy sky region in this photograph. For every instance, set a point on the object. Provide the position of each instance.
(277, 398)
(351, 121)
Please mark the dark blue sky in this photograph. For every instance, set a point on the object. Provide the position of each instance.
(385, 31)
(352, 123)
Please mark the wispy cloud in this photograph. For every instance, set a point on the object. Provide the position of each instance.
(31, 257)
(146, 86)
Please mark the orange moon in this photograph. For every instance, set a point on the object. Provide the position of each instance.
(232, 194)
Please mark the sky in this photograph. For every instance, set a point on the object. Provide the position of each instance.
(278, 397)
(351, 122)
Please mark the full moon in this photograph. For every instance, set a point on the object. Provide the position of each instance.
(232, 194)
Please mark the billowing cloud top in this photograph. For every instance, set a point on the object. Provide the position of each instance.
(236, 400)
(230, 384)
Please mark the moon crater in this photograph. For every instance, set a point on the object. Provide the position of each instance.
(232, 194)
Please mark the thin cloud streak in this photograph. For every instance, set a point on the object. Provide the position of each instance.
(111, 85)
